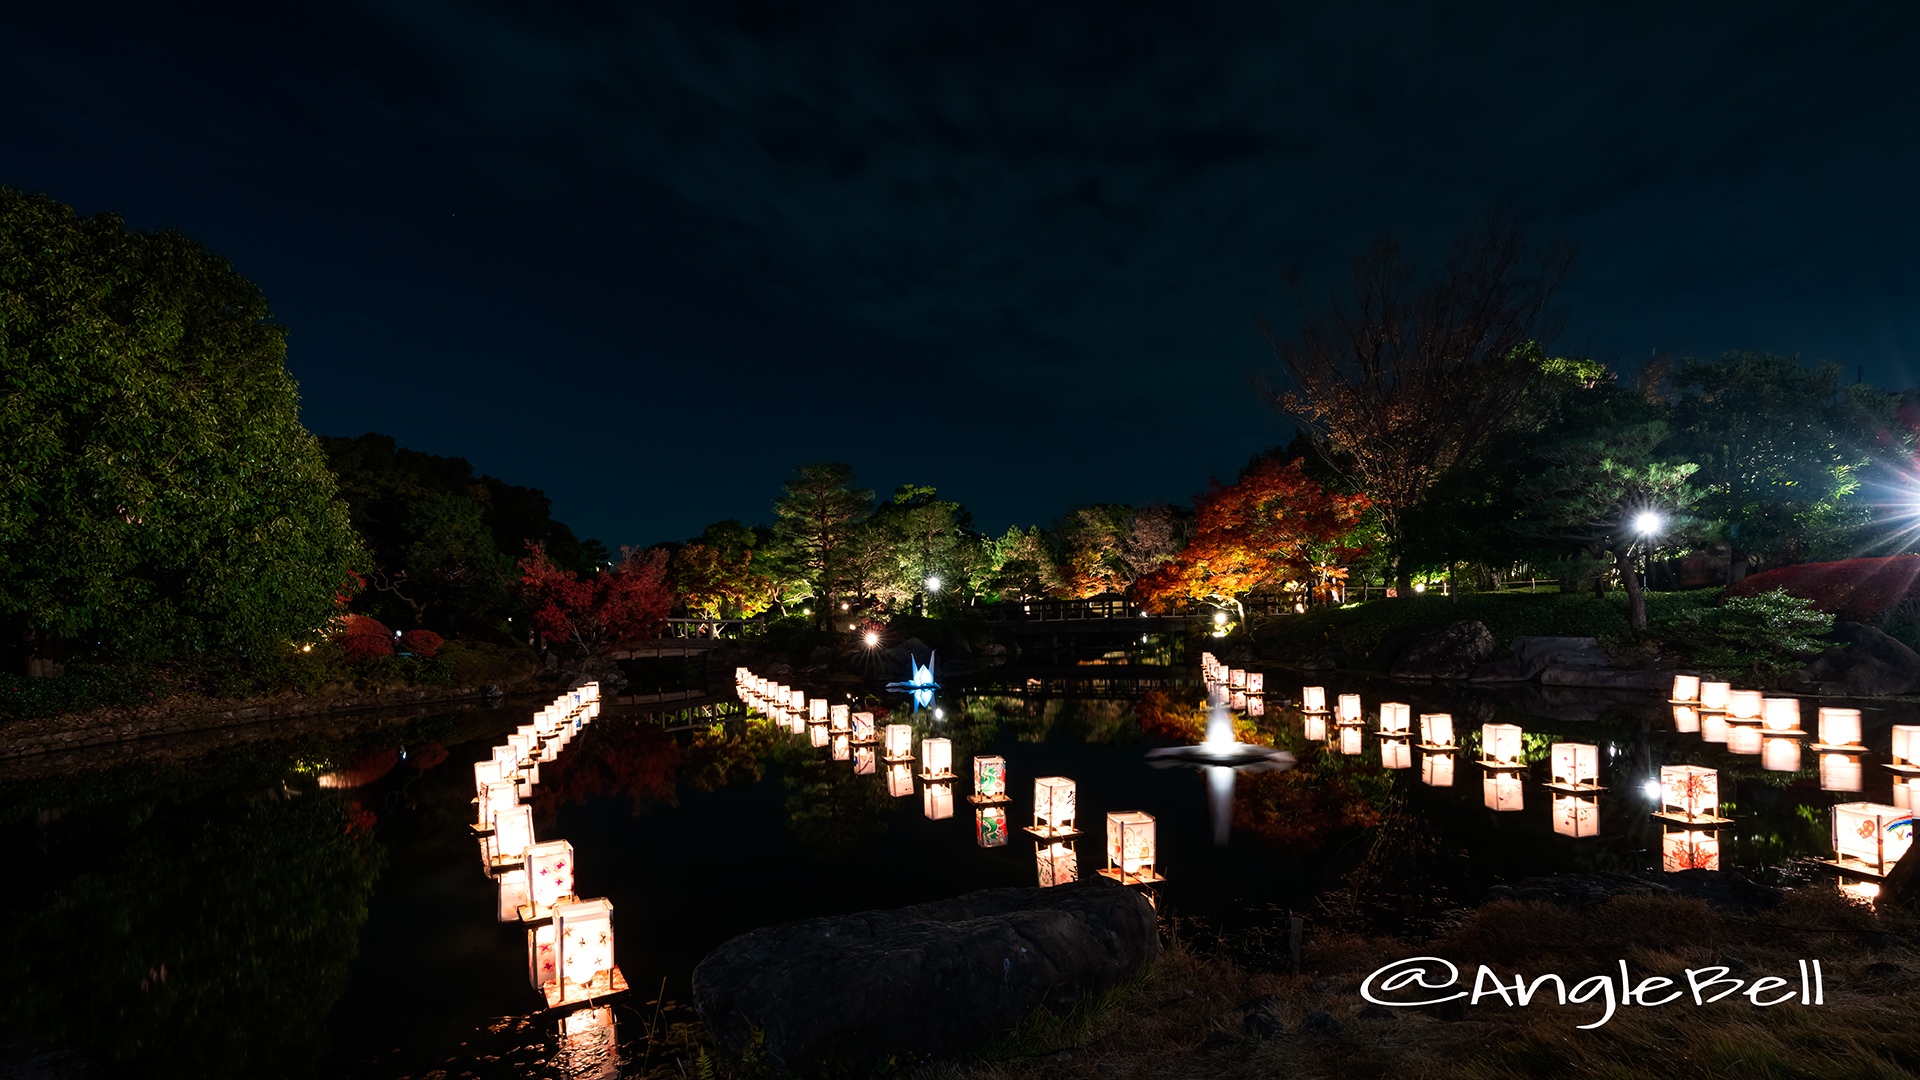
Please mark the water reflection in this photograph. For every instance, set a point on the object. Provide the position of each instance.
(990, 826)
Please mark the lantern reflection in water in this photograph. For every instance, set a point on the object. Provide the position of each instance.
(1713, 727)
(1840, 730)
(842, 749)
(549, 878)
(936, 799)
(989, 778)
(863, 761)
(1053, 807)
(900, 780)
(1256, 706)
(1906, 790)
(513, 894)
(1689, 849)
(817, 734)
(1349, 739)
(1576, 815)
(1058, 864)
(1840, 772)
(1743, 738)
(1501, 790)
(936, 759)
(1686, 719)
(1869, 837)
(1436, 731)
(990, 826)
(899, 745)
(1238, 700)
(1314, 726)
(1436, 769)
(589, 1047)
(1780, 754)
(1130, 848)
(1500, 744)
(1396, 754)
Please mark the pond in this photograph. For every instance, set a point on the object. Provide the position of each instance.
(318, 906)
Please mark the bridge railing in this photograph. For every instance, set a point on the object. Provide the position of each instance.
(713, 628)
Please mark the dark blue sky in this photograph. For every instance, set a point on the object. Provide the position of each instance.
(650, 256)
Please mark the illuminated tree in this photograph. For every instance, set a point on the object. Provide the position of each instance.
(816, 518)
(629, 601)
(1272, 527)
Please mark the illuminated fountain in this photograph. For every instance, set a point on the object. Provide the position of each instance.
(1221, 759)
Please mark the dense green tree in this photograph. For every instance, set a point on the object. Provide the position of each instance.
(816, 519)
(917, 538)
(158, 493)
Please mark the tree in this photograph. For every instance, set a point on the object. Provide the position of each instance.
(817, 516)
(1596, 491)
(629, 601)
(157, 494)
(1025, 565)
(718, 574)
(1273, 526)
(1406, 383)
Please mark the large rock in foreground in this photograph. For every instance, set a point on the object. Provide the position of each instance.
(934, 978)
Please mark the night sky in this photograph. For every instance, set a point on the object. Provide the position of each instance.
(650, 256)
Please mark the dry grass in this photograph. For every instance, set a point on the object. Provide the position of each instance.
(1184, 1018)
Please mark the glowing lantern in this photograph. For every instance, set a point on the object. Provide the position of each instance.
(1239, 700)
(1839, 729)
(937, 800)
(1689, 793)
(797, 700)
(1396, 754)
(990, 826)
(1906, 793)
(513, 893)
(1686, 688)
(899, 780)
(1256, 682)
(522, 745)
(1713, 727)
(989, 779)
(1686, 719)
(1436, 731)
(1349, 708)
(1840, 772)
(543, 956)
(1576, 766)
(1237, 679)
(838, 719)
(1315, 726)
(862, 727)
(1743, 738)
(1256, 706)
(1780, 754)
(936, 759)
(1349, 739)
(1714, 695)
(1743, 705)
(1394, 718)
(1501, 791)
(583, 932)
(1313, 699)
(1130, 848)
(1053, 807)
(863, 761)
(1781, 716)
(817, 711)
(899, 743)
(1906, 748)
(1436, 770)
(1576, 816)
(549, 877)
(1058, 864)
(817, 734)
(512, 833)
(1870, 837)
(1689, 849)
(1500, 744)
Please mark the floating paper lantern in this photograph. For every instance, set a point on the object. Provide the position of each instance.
(797, 701)
(1349, 708)
(584, 932)
(817, 710)
(1313, 699)
(1689, 849)
(1314, 726)
(549, 877)
(1743, 738)
(1714, 695)
(1396, 754)
(937, 801)
(1686, 688)
(839, 719)
(1840, 728)
(1780, 715)
(1256, 682)
(842, 747)
(1058, 864)
(1501, 791)
(1576, 816)
(1349, 739)
(1500, 744)
(1779, 754)
(1130, 848)
(1870, 837)
(1744, 705)
(496, 793)
(900, 780)
(1436, 730)
(1575, 766)
(1053, 807)
(862, 727)
(899, 743)
(1436, 770)
(1689, 793)
(989, 778)
(512, 833)
(513, 893)
(1840, 772)
(990, 826)
(522, 745)
(936, 759)
(863, 761)
(1906, 749)
(1237, 679)
(1395, 718)
(1713, 727)
(1686, 719)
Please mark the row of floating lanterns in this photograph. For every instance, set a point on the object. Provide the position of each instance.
(1131, 841)
(569, 940)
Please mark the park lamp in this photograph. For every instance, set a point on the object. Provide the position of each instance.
(933, 583)
(873, 639)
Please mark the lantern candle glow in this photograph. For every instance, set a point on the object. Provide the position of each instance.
(1053, 807)
(1575, 767)
(1839, 730)
(1686, 689)
(899, 743)
(1349, 708)
(936, 759)
(1395, 718)
(1130, 848)
(1689, 793)
(1714, 695)
(1501, 744)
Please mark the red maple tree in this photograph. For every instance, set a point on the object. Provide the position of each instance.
(1274, 527)
(629, 601)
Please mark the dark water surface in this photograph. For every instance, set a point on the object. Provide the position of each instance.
(318, 907)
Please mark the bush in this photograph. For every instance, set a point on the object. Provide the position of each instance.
(1760, 635)
(422, 643)
(82, 689)
(1863, 590)
(477, 663)
(362, 639)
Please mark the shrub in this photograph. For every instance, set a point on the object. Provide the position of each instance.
(362, 639)
(1863, 590)
(1761, 635)
(422, 643)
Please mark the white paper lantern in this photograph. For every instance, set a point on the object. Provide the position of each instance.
(1053, 807)
(1781, 715)
(1349, 708)
(1436, 729)
(1396, 754)
(1501, 791)
(936, 759)
(1744, 705)
(1237, 679)
(549, 877)
(989, 778)
(1130, 848)
(797, 701)
(1840, 772)
(1256, 682)
(1689, 849)
(1575, 765)
(1686, 688)
(1576, 815)
(899, 743)
(512, 833)
(839, 719)
(1870, 837)
(1714, 696)
(817, 710)
(513, 893)
(1840, 727)
(1436, 770)
(1689, 793)
(1313, 699)
(1395, 718)
(1058, 864)
(1501, 744)
(862, 727)
(584, 931)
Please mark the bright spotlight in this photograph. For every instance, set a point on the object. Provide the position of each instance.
(939, 714)
(1651, 789)
(1648, 523)
(872, 639)
(933, 583)
(1219, 618)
